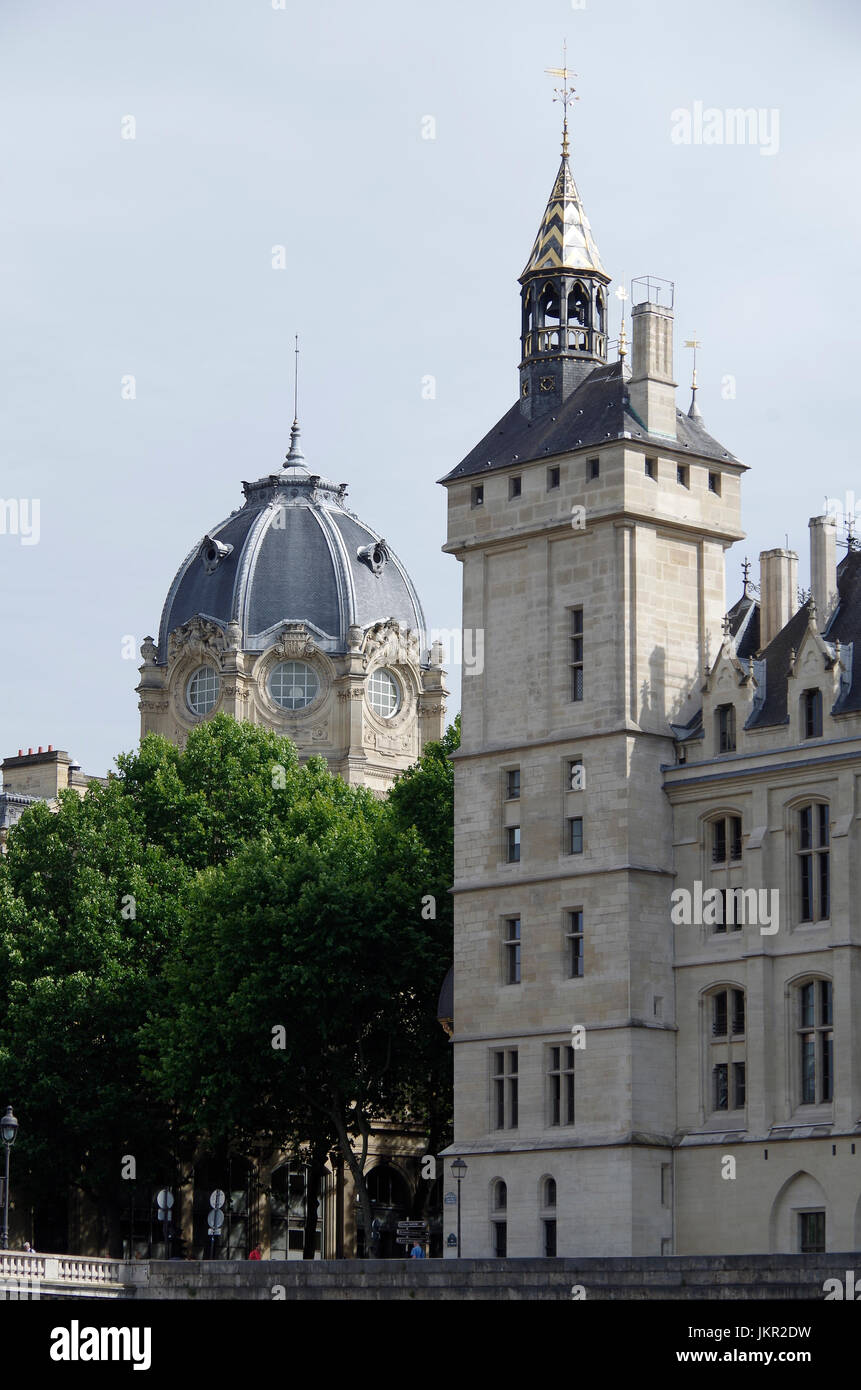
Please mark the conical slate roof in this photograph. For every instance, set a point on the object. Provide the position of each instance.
(564, 240)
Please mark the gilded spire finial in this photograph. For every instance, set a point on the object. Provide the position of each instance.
(565, 93)
(694, 412)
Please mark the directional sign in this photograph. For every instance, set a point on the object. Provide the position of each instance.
(165, 1199)
(412, 1225)
(217, 1199)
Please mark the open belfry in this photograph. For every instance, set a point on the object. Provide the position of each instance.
(657, 968)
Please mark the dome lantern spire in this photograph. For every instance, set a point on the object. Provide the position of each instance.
(295, 457)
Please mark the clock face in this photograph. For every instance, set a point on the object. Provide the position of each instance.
(548, 383)
(524, 390)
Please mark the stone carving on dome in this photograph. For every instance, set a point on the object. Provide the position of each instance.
(212, 552)
(198, 637)
(390, 643)
(294, 642)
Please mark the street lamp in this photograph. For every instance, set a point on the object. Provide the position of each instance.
(459, 1170)
(8, 1132)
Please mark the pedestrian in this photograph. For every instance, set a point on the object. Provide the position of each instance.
(417, 1252)
(255, 1253)
(28, 1249)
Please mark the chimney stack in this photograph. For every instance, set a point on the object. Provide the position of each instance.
(778, 592)
(823, 567)
(652, 390)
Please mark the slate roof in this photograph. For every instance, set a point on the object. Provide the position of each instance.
(564, 240)
(777, 661)
(294, 558)
(597, 411)
(744, 626)
(845, 626)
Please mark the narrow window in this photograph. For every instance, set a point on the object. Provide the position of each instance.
(682, 475)
(550, 1239)
(652, 469)
(553, 477)
(738, 1091)
(576, 775)
(500, 1239)
(814, 862)
(719, 1014)
(575, 657)
(719, 841)
(478, 495)
(811, 1232)
(737, 1012)
(594, 466)
(719, 1084)
(549, 1192)
(560, 1075)
(816, 1042)
(726, 728)
(575, 835)
(811, 704)
(714, 483)
(515, 486)
(505, 1089)
(512, 784)
(511, 940)
(574, 943)
(512, 836)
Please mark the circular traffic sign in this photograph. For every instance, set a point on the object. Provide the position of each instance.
(217, 1199)
(216, 1219)
(165, 1199)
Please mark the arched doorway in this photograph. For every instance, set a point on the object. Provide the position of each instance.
(390, 1197)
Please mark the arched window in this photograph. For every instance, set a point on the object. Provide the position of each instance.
(549, 307)
(578, 305)
(599, 310)
(725, 1048)
(548, 1192)
(726, 908)
(813, 855)
(499, 1195)
(814, 1021)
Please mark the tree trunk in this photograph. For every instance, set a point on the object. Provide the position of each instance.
(315, 1178)
(357, 1170)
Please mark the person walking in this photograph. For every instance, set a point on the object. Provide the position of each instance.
(417, 1252)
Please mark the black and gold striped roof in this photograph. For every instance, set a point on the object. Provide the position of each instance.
(564, 240)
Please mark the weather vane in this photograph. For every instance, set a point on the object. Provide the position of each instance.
(693, 343)
(565, 93)
(296, 383)
(622, 295)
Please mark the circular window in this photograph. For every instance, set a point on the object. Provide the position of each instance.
(293, 685)
(203, 690)
(384, 694)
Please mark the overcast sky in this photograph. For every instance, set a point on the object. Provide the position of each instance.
(258, 126)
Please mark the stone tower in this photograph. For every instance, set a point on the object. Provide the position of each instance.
(294, 614)
(591, 523)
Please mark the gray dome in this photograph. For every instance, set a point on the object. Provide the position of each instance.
(293, 553)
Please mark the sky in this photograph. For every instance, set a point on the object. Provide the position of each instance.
(153, 155)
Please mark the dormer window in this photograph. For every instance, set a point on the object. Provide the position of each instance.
(811, 714)
(725, 716)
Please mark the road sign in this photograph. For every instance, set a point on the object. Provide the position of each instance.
(450, 1199)
(217, 1199)
(165, 1199)
(216, 1220)
(451, 1239)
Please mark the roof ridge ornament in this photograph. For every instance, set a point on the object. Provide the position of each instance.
(694, 413)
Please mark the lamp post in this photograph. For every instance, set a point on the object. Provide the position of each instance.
(8, 1132)
(459, 1171)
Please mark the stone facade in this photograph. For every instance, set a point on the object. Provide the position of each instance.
(626, 1086)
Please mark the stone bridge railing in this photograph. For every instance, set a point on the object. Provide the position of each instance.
(23, 1275)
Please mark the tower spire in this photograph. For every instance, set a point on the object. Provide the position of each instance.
(564, 288)
(694, 413)
(295, 457)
